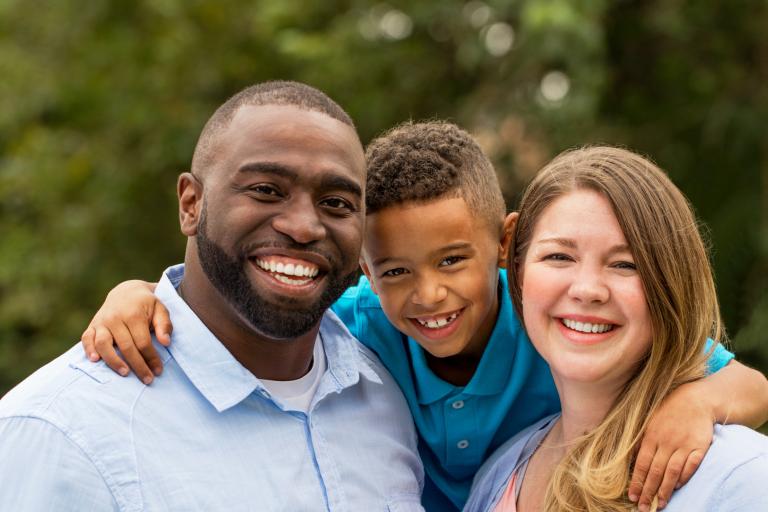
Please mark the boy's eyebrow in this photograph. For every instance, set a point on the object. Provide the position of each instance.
(448, 248)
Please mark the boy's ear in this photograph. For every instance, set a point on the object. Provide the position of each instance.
(190, 193)
(367, 272)
(506, 237)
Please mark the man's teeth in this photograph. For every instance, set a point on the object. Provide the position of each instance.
(436, 323)
(586, 326)
(280, 270)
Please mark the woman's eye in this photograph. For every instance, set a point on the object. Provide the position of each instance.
(625, 265)
(394, 272)
(451, 260)
(558, 256)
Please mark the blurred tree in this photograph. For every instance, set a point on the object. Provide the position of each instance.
(102, 103)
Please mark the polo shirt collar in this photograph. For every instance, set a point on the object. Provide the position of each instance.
(492, 373)
(220, 378)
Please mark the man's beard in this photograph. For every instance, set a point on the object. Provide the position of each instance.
(228, 276)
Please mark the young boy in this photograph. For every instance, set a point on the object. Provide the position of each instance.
(434, 306)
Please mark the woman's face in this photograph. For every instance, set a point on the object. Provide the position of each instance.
(583, 303)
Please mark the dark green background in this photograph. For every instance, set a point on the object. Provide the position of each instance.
(102, 102)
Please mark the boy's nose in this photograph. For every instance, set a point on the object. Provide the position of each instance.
(429, 293)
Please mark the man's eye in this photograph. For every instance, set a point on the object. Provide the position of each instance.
(337, 203)
(394, 272)
(264, 190)
(451, 260)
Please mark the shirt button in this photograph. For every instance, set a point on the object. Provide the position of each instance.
(462, 444)
(458, 404)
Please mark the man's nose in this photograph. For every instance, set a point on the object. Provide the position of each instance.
(429, 292)
(589, 286)
(300, 221)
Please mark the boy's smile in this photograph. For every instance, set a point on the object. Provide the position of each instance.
(435, 267)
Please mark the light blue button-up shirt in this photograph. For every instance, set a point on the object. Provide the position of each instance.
(206, 435)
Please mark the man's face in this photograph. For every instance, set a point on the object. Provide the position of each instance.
(282, 217)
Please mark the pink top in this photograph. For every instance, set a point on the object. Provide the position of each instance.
(508, 502)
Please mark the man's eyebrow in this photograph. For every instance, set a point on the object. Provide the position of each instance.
(336, 182)
(268, 168)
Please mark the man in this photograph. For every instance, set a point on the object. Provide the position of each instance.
(267, 402)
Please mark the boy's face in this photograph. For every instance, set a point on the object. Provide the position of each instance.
(434, 266)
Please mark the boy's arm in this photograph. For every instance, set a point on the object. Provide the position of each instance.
(680, 432)
(124, 320)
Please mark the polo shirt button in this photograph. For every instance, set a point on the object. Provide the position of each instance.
(458, 404)
(462, 444)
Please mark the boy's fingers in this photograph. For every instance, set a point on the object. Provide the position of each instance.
(87, 340)
(131, 354)
(640, 471)
(653, 478)
(671, 477)
(691, 465)
(161, 323)
(138, 330)
(104, 346)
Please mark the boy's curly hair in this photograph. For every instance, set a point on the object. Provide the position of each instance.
(417, 162)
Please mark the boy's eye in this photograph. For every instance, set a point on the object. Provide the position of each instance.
(451, 260)
(394, 272)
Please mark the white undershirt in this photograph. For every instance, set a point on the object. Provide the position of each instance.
(297, 395)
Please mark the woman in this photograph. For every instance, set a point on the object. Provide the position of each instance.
(611, 277)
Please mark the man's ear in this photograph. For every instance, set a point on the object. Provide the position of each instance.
(190, 192)
(508, 232)
(367, 272)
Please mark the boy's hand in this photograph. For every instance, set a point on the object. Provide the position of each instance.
(124, 319)
(675, 442)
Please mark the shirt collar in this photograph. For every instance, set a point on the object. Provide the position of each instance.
(215, 372)
(492, 374)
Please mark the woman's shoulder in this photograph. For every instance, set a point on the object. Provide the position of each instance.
(732, 475)
(493, 475)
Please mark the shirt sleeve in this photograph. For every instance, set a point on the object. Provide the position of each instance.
(42, 469)
(718, 358)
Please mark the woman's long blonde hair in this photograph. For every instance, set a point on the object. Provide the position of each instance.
(673, 265)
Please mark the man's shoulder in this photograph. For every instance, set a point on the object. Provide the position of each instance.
(71, 392)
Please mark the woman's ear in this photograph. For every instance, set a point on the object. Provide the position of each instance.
(190, 193)
(508, 232)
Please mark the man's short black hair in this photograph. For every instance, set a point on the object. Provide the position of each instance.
(277, 92)
(418, 162)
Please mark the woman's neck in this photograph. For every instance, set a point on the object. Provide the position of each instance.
(584, 406)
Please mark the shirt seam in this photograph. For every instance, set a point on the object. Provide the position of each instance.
(111, 485)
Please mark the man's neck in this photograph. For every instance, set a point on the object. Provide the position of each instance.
(264, 357)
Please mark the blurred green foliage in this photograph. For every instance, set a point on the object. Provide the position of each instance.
(102, 102)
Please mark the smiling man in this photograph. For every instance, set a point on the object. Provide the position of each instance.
(267, 402)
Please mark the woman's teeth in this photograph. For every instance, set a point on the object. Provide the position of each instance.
(586, 326)
(436, 323)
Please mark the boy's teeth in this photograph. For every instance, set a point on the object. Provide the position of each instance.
(436, 323)
(288, 269)
(586, 326)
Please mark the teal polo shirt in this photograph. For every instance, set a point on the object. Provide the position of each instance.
(459, 427)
